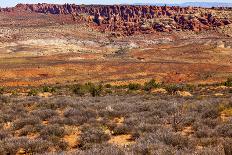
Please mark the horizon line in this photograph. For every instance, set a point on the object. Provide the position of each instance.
(139, 3)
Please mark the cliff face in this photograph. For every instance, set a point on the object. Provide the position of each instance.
(133, 19)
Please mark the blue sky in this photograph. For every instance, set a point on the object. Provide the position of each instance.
(5, 3)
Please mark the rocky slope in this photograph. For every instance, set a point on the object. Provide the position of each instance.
(128, 20)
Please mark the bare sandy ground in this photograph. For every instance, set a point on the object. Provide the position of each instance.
(34, 52)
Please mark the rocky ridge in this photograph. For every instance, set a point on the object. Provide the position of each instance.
(129, 20)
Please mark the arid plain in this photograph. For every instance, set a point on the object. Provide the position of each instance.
(39, 48)
(115, 80)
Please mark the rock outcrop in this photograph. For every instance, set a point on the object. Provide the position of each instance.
(129, 20)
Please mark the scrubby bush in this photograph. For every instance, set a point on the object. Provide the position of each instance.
(33, 92)
(44, 114)
(90, 136)
(105, 149)
(203, 132)
(227, 146)
(1, 90)
(208, 142)
(12, 145)
(228, 83)
(79, 89)
(47, 104)
(21, 122)
(28, 129)
(94, 90)
(57, 143)
(134, 86)
(175, 140)
(4, 99)
(211, 123)
(108, 86)
(210, 151)
(79, 115)
(150, 85)
(230, 91)
(211, 112)
(52, 130)
(3, 135)
(48, 89)
(225, 130)
(121, 129)
(173, 88)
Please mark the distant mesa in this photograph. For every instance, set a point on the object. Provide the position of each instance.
(193, 4)
(133, 19)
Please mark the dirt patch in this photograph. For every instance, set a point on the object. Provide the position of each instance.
(121, 140)
(72, 137)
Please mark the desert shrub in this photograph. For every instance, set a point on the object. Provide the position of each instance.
(124, 86)
(6, 118)
(187, 121)
(225, 130)
(210, 112)
(48, 89)
(90, 136)
(79, 89)
(33, 92)
(203, 132)
(63, 102)
(80, 115)
(27, 129)
(147, 128)
(227, 146)
(14, 93)
(108, 85)
(157, 113)
(64, 121)
(52, 130)
(134, 86)
(228, 83)
(3, 135)
(99, 149)
(175, 140)
(121, 129)
(189, 87)
(95, 90)
(12, 145)
(172, 89)
(206, 142)
(135, 135)
(211, 123)
(210, 151)
(105, 149)
(110, 125)
(47, 105)
(20, 123)
(57, 143)
(108, 91)
(230, 91)
(1, 90)
(4, 99)
(44, 114)
(150, 85)
(149, 144)
(143, 149)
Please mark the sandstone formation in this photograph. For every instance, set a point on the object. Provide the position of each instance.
(130, 20)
